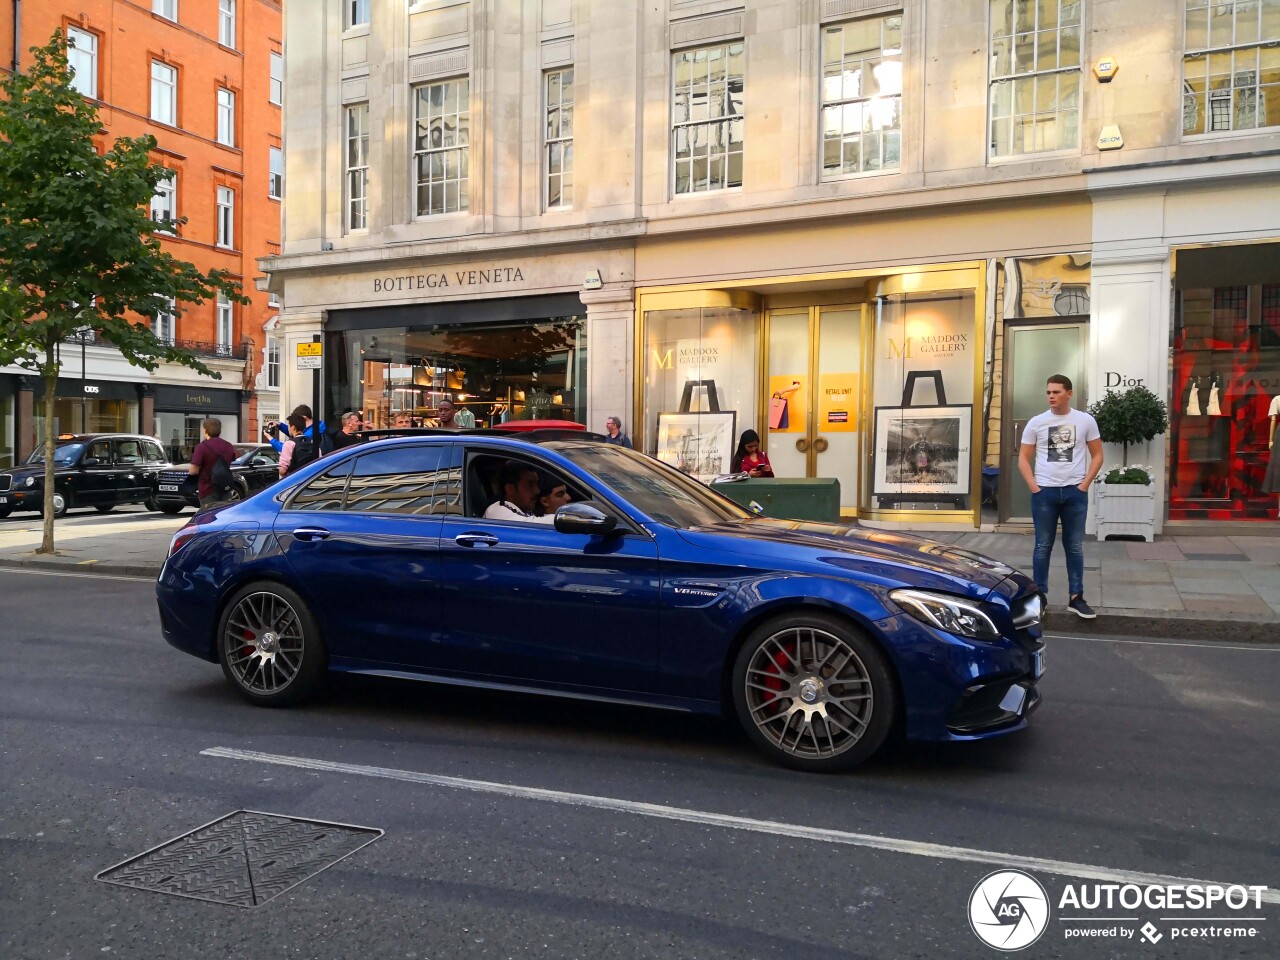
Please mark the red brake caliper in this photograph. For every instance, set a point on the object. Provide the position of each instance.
(777, 663)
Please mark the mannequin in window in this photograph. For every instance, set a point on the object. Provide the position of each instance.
(1271, 480)
(1214, 410)
(1193, 398)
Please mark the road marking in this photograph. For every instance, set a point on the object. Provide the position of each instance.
(911, 847)
(1260, 647)
(85, 563)
(81, 576)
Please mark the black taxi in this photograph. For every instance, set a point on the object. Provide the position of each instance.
(99, 470)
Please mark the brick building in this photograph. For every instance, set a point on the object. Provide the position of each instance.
(206, 79)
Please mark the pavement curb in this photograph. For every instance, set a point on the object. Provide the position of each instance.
(1169, 625)
(90, 567)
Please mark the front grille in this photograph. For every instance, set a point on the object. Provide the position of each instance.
(6, 482)
(173, 476)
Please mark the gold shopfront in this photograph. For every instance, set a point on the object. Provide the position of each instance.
(873, 378)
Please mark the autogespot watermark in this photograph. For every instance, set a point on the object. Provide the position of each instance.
(1010, 910)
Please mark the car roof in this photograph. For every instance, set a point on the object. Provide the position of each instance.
(86, 437)
(525, 436)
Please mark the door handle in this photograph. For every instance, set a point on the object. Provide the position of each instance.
(311, 533)
(476, 540)
(802, 444)
(821, 444)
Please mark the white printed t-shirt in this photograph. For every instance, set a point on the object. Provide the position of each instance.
(1062, 451)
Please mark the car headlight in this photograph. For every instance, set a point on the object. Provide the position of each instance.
(31, 481)
(946, 613)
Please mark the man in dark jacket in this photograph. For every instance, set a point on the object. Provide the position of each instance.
(206, 453)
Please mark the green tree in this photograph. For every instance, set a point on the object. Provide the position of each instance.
(1134, 416)
(78, 247)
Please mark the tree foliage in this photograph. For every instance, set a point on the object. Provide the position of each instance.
(78, 248)
(1133, 416)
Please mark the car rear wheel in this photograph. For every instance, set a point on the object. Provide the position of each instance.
(5, 511)
(814, 693)
(270, 646)
(168, 506)
(105, 507)
(151, 503)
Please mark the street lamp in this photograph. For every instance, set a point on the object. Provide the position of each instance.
(84, 393)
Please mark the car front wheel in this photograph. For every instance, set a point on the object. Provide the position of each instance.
(61, 504)
(270, 646)
(168, 506)
(814, 693)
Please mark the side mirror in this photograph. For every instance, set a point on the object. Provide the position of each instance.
(261, 462)
(90, 462)
(584, 518)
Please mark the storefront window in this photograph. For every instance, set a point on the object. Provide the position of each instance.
(1226, 373)
(7, 424)
(492, 372)
(923, 401)
(87, 416)
(701, 386)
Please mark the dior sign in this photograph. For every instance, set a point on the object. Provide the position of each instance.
(447, 279)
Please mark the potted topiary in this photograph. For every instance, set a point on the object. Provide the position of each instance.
(1127, 494)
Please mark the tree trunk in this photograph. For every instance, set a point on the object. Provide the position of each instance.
(49, 378)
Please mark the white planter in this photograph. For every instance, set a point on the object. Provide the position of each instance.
(1126, 509)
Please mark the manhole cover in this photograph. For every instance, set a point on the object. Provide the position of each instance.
(244, 859)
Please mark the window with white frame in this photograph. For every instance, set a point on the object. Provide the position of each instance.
(164, 203)
(165, 324)
(226, 320)
(277, 79)
(355, 13)
(275, 188)
(164, 93)
(442, 131)
(273, 300)
(862, 96)
(707, 118)
(1230, 66)
(273, 363)
(357, 166)
(226, 217)
(1034, 94)
(558, 88)
(226, 117)
(227, 23)
(166, 8)
(82, 61)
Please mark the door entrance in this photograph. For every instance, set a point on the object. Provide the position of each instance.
(812, 417)
(1032, 354)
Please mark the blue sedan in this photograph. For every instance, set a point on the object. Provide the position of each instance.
(643, 587)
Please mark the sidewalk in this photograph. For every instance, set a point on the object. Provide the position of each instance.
(1192, 587)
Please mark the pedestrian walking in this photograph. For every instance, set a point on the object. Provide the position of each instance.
(1060, 456)
(211, 463)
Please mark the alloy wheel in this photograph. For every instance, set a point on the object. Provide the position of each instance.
(809, 693)
(263, 643)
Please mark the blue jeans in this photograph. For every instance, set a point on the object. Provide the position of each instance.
(1071, 505)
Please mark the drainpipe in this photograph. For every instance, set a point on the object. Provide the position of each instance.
(17, 33)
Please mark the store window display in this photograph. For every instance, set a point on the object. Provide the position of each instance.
(1226, 377)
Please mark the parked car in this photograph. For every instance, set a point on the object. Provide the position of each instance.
(99, 470)
(256, 466)
(647, 588)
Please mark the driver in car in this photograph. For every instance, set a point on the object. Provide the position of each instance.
(519, 484)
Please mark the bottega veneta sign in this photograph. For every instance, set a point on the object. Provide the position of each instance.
(447, 279)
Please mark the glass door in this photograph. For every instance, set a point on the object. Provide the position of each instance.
(1033, 353)
(813, 379)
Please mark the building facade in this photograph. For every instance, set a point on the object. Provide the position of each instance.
(866, 230)
(206, 79)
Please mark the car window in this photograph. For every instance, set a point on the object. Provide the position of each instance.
(100, 449)
(658, 490)
(325, 492)
(64, 454)
(484, 485)
(267, 453)
(412, 479)
(153, 452)
(128, 452)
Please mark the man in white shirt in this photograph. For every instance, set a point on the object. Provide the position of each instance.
(1058, 441)
(519, 483)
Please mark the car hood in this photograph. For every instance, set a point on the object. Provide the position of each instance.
(897, 559)
(20, 473)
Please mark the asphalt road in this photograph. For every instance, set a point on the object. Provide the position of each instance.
(1146, 757)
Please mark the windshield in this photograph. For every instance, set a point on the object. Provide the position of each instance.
(64, 454)
(654, 488)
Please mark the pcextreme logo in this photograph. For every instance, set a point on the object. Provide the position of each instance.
(1009, 910)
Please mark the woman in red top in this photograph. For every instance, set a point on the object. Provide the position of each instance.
(749, 459)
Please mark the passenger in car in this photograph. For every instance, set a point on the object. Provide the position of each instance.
(552, 495)
(519, 484)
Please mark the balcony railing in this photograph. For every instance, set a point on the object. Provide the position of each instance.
(201, 348)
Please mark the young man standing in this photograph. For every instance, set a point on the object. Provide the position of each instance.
(1058, 441)
(202, 459)
(615, 435)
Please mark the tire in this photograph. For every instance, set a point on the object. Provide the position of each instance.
(854, 694)
(61, 504)
(152, 504)
(105, 507)
(237, 494)
(168, 506)
(270, 646)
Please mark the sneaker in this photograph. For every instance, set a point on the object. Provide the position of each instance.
(1080, 608)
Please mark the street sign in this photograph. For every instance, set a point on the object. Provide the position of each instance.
(309, 356)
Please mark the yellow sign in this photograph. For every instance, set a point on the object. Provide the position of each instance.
(788, 411)
(838, 403)
(309, 349)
